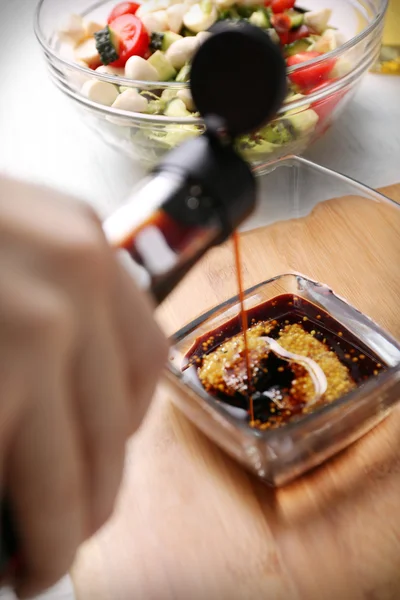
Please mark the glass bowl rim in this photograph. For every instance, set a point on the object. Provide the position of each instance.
(391, 373)
(121, 81)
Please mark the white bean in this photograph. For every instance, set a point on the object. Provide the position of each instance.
(181, 51)
(155, 21)
(91, 27)
(139, 68)
(339, 36)
(168, 94)
(73, 32)
(186, 98)
(318, 19)
(100, 92)
(329, 40)
(342, 67)
(151, 6)
(197, 19)
(131, 101)
(144, 9)
(175, 17)
(203, 36)
(87, 52)
(76, 78)
(109, 70)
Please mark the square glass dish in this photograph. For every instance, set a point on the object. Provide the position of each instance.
(322, 252)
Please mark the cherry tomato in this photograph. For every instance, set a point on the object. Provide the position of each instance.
(325, 108)
(133, 38)
(125, 8)
(309, 76)
(281, 23)
(298, 34)
(284, 38)
(278, 6)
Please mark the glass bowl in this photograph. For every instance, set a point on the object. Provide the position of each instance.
(325, 239)
(147, 137)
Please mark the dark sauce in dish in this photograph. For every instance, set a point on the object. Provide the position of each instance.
(280, 390)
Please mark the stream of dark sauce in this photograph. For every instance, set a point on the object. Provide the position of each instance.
(243, 316)
(286, 309)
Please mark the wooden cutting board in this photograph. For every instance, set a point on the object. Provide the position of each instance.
(191, 524)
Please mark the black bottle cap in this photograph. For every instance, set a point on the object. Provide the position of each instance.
(238, 78)
(238, 82)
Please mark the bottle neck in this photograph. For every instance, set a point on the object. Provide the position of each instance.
(163, 230)
(195, 199)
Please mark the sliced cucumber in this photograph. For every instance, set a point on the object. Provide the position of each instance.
(176, 108)
(170, 139)
(184, 74)
(163, 66)
(228, 13)
(279, 132)
(256, 151)
(259, 18)
(238, 12)
(244, 11)
(206, 6)
(155, 107)
(298, 46)
(107, 45)
(185, 32)
(160, 40)
(168, 95)
(303, 122)
(169, 38)
(296, 19)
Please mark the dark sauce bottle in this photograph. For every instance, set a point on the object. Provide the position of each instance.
(194, 200)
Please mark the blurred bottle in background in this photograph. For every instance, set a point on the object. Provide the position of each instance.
(389, 59)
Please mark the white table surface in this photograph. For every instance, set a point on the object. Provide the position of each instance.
(42, 138)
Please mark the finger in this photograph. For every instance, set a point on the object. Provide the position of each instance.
(145, 345)
(102, 408)
(45, 483)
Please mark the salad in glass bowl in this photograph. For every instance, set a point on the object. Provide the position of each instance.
(128, 65)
